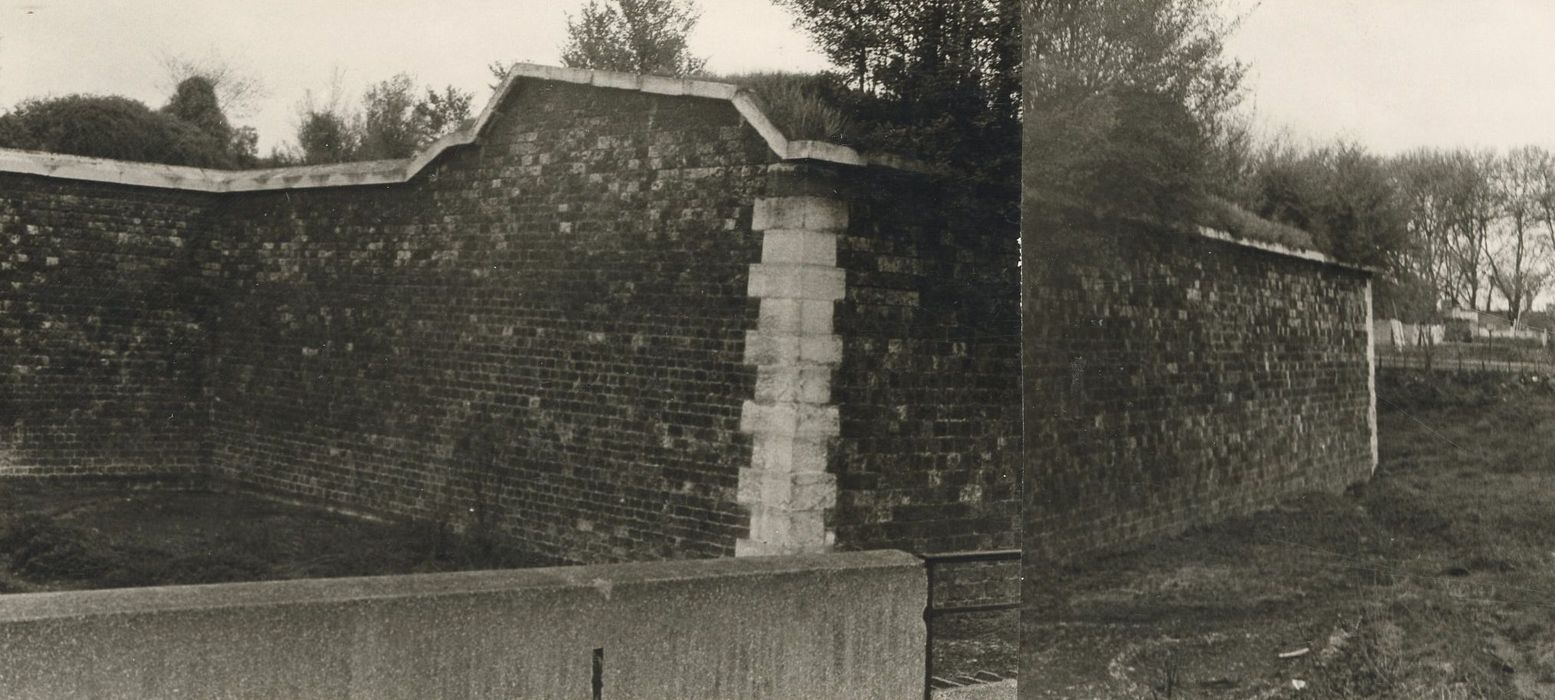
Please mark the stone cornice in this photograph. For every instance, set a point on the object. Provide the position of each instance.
(387, 172)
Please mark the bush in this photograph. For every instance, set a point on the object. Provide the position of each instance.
(111, 127)
(803, 106)
(1224, 216)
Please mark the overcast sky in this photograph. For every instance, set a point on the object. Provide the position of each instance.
(1397, 74)
(1392, 74)
(61, 47)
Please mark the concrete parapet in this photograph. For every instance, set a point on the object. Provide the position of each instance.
(846, 625)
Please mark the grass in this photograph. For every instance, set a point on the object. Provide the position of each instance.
(1223, 215)
(798, 104)
(111, 535)
(1435, 580)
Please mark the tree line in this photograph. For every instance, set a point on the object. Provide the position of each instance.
(1133, 107)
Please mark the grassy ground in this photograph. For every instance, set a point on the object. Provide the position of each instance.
(113, 535)
(965, 645)
(1436, 580)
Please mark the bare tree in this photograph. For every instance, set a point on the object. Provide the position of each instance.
(1518, 264)
(237, 90)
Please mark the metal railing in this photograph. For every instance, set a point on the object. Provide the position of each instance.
(932, 611)
(1481, 355)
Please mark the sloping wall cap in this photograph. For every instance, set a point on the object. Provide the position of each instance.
(1286, 251)
(383, 172)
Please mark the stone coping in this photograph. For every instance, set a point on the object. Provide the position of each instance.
(21, 607)
(1285, 251)
(385, 172)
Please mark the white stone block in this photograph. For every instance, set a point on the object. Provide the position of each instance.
(784, 316)
(799, 246)
(795, 281)
(772, 419)
(663, 86)
(806, 213)
(815, 384)
(817, 420)
(617, 80)
(793, 383)
(824, 349)
(780, 316)
(809, 491)
(822, 150)
(763, 348)
(788, 453)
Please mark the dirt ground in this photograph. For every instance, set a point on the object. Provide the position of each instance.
(1435, 580)
(981, 643)
(115, 534)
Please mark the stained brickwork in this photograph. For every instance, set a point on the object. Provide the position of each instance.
(587, 330)
(929, 455)
(1173, 380)
(543, 334)
(100, 344)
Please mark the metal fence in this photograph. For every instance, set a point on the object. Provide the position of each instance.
(934, 611)
(1478, 355)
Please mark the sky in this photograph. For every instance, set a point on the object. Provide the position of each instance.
(1399, 74)
(1390, 74)
(60, 47)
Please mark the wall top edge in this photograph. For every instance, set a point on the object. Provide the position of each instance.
(385, 172)
(601, 578)
(1286, 251)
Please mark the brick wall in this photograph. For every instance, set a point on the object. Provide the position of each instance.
(100, 332)
(545, 330)
(1173, 380)
(547, 334)
(929, 453)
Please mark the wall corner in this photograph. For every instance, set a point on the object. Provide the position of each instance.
(791, 418)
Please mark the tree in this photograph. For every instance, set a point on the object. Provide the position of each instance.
(393, 122)
(1422, 179)
(194, 102)
(635, 36)
(389, 127)
(1518, 268)
(325, 137)
(935, 79)
(1112, 83)
(236, 89)
(111, 127)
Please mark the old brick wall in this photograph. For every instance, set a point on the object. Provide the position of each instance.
(928, 459)
(929, 455)
(544, 336)
(100, 333)
(1173, 380)
(541, 335)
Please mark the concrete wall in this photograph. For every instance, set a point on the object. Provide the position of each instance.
(813, 626)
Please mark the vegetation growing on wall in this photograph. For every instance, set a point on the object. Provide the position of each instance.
(939, 80)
